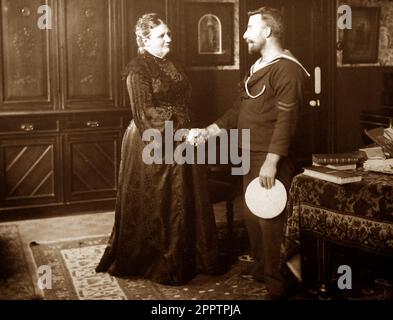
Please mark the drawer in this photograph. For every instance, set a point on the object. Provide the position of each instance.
(93, 122)
(27, 125)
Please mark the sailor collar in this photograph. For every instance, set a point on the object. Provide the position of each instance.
(255, 76)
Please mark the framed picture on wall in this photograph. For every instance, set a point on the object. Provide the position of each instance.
(360, 44)
(209, 33)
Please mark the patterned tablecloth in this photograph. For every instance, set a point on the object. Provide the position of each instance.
(358, 214)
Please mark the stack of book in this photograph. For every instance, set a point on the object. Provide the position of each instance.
(338, 168)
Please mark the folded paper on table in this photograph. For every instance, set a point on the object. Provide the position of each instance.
(374, 152)
(384, 166)
(383, 137)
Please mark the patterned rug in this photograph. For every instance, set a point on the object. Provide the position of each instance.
(73, 262)
(15, 280)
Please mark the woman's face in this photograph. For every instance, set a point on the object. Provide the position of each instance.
(158, 43)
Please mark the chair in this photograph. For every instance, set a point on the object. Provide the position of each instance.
(223, 186)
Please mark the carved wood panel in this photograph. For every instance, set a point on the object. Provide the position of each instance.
(26, 57)
(29, 170)
(89, 70)
(92, 165)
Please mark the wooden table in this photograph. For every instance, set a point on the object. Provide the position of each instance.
(358, 215)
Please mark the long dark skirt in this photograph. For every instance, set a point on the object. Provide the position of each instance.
(164, 223)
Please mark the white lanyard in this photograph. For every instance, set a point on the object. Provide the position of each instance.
(248, 92)
(248, 79)
(275, 60)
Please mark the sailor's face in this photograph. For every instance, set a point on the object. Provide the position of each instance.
(255, 34)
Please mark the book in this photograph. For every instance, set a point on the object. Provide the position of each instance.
(352, 166)
(383, 137)
(373, 153)
(332, 175)
(337, 158)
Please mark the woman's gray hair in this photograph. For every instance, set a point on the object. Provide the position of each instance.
(143, 27)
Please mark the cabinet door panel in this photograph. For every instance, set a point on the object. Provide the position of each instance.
(88, 54)
(26, 59)
(29, 170)
(92, 165)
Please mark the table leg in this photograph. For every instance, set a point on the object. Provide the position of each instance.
(323, 259)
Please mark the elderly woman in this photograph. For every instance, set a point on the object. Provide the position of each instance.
(164, 225)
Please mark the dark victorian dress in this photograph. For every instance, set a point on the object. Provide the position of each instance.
(164, 224)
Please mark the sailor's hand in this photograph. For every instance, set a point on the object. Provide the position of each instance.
(268, 172)
(267, 175)
(197, 136)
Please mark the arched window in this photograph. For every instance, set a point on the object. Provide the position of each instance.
(209, 35)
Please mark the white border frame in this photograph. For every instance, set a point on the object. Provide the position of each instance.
(236, 33)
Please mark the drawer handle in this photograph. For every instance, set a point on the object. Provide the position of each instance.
(27, 127)
(93, 124)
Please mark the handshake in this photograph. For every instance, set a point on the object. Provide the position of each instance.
(200, 136)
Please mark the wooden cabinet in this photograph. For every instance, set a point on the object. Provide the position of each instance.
(59, 162)
(89, 54)
(74, 65)
(30, 170)
(30, 163)
(91, 163)
(28, 68)
(63, 103)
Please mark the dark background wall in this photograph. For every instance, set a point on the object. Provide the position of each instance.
(357, 89)
(214, 90)
(213, 93)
